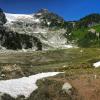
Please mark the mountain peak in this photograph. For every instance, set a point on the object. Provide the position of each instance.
(1, 10)
(43, 11)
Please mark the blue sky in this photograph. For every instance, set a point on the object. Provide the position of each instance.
(69, 9)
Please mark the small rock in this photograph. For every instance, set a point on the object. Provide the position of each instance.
(14, 65)
(81, 51)
(92, 30)
(3, 75)
(95, 76)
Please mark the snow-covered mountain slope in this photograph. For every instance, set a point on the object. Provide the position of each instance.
(44, 26)
(14, 17)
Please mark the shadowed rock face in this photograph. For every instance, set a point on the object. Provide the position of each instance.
(3, 19)
(14, 41)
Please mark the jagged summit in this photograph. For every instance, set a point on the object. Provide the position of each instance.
(1, 10)
(43, 10)
(3, 19)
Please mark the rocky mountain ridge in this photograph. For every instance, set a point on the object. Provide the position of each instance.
(43, 30)
(38, 31)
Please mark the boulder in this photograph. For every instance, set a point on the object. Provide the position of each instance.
(67, 87)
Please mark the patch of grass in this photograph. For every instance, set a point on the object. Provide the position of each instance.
(52, 60)
(97, 28)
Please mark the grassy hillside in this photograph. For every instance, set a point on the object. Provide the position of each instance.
(84, 37)
(97, 28)
(85, 32)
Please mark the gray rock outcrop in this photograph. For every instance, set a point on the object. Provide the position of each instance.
(3, 19)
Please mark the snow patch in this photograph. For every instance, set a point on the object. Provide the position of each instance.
(23, 86)
(14, 17)
(24, 50)
(97, 64)
(69, 46)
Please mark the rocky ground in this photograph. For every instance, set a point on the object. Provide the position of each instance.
(80, 80)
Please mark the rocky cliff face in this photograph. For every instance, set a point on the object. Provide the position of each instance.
(3, 19)
(39, 31)
(43, 25)
(13, 40)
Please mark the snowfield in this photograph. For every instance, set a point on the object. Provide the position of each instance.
(23, 86)
(97, 64)
(14, 17)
